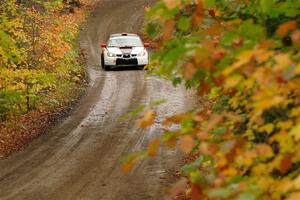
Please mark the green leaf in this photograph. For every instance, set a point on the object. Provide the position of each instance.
(252, 31)
(133, 113)
(168, 135)
(189, 168)
(151, 30)
(197, 177)
(266, 5)
(209, 3)
(219, 130)
(247, 196)
(221, 192)
(184, 23)
(157, 102)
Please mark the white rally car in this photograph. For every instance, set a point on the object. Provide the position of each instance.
(124, 49)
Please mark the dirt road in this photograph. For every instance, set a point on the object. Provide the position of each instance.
(79, 158)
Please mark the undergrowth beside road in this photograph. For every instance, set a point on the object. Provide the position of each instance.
(41, 66)
(243, 59)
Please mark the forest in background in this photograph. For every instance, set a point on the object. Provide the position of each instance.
(242, 141)
(41, 65)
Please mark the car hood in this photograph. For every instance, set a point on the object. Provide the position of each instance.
(133, 50)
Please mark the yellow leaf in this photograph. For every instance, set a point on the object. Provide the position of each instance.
(285, 141)
(260, 169)
(283, 61)
(232, 81)
(244, 58)
(222, 162)
(246, 159)
(265, 182)
(264, 150)
(297, 70)
(295, 112)
(284, 125)
(296, 183)
(249, 83)
(230, 172)
(268, 128)
(295, 132)
(262, 55)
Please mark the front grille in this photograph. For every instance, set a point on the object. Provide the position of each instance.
(126, 55)
(128, 62)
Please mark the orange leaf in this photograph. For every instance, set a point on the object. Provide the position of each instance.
(208, 148)
(266, 44)
(218, 54)
(286, 163)
(172, 3)
(187, 144)
(212, 12)
(168, 29)
(175, 119)
(294, 196)
(198, 14)
(214, 29)
(264, 150)
(295, 37)
(204, 88)
(196, 193)
(283, 29)
(153, 147)
(127, 167)
(178, 187)
(147, 119)
(189, 70)
(202, 135)
(238, 42)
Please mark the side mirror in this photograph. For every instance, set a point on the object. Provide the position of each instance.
(146, 44)
(103, 45)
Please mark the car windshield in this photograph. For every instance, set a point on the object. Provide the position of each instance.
(125, 42)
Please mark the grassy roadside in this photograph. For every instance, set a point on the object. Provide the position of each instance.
(47, 79)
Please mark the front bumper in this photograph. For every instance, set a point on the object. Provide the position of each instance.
(132, 61)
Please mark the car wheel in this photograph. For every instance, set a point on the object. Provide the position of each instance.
(107, 68)
(102, 61)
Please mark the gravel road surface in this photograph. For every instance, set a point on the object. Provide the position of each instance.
(80, 158)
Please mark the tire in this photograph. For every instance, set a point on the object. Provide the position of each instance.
(105, 67)
(102, 61)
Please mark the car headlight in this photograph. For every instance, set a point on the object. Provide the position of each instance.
(110, 54)
(142, 53)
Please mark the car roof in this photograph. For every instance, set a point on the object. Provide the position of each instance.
(123, 34)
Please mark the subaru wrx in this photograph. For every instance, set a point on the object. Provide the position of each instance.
(123, 50)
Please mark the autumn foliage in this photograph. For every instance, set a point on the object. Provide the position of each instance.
(40, 66)
(243, 59)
